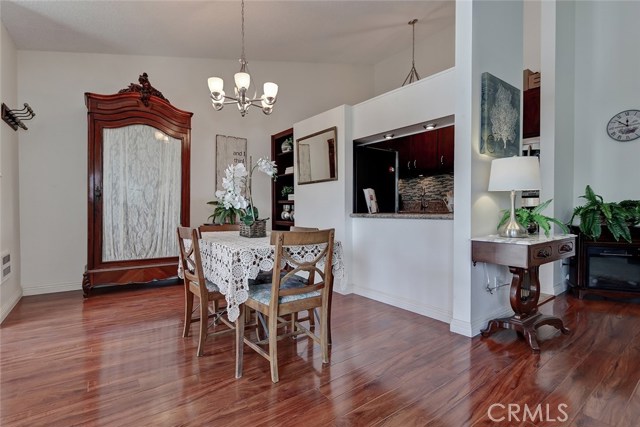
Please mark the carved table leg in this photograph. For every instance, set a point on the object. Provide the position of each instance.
(524, 295)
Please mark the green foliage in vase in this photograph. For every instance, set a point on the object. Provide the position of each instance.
(617, 217)
(527, 216)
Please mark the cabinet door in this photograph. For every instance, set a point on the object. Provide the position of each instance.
(531, 113)
(424, 152)
(446, 141)
(406, 168)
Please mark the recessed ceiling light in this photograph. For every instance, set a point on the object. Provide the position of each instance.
(430, 126)
(388, 136)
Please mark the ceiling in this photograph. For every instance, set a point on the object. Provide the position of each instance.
(351, 32)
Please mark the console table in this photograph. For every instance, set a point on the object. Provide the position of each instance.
(523, 257)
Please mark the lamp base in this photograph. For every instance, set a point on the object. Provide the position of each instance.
(513, 229)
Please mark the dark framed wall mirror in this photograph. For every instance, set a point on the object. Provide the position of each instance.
(317, 157)
(138, 185)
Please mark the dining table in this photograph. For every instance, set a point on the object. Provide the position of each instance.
(230, 261)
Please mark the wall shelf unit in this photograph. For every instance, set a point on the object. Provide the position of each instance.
(284, 160)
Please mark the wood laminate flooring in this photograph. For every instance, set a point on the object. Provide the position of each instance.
(118, 359)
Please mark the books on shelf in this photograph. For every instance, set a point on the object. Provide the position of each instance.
(290, 196)
(289, 169)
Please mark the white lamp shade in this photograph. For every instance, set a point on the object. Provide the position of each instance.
(243, 80)
(215, 84)
(270, 90)
(514, 173)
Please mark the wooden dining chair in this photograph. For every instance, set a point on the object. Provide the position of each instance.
(286, 295)
(196, 284)
(310, 313)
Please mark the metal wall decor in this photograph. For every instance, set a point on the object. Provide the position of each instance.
(15, 117)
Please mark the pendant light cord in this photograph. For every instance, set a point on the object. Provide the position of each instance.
(242, 15)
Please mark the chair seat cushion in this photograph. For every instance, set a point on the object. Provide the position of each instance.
(262, 292)
(211, 287)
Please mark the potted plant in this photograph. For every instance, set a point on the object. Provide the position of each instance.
(286, 190)
(532, 219)
(617, 217)
(230, 203)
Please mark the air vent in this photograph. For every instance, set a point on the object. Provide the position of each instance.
(6, 265)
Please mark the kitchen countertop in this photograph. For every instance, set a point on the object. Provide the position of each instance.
(405, 215)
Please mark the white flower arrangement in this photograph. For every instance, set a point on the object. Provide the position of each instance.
(231, 203)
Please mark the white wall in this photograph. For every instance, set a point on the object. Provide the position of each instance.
(53, 165)
(326, 204)
(606, 80)
(10, 290)
(531, 28)
(488, 39)
(405, 262)
(435, 54)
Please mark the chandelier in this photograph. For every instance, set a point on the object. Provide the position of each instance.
(413, 75)
(242, 81)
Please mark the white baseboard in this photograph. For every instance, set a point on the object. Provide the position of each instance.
(461, 328)
(50, 288)
(9, 303)
(410, 305)
(471, 329)
(559, 288)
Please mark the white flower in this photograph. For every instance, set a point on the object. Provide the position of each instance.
(266, 166)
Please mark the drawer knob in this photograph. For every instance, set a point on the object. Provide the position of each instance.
(567, 247)
(544, 253)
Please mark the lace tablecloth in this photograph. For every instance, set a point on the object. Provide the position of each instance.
(230, 260)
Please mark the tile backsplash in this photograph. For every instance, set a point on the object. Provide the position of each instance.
(429, 187)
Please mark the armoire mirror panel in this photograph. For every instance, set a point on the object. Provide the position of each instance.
(138, 185)
(141, 193)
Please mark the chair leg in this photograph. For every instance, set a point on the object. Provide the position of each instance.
(273, 347)
(240, 340)
(204, 323)
(324, 334)
(312, 319)
(188, 309)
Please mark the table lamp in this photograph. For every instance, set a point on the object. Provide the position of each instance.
(514, 174)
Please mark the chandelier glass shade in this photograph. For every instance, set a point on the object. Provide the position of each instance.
(241, 95)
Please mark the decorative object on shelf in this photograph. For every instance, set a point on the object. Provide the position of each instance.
(500, 118)
(317, 157)
(287, 145)
(292, 215)
(286, 190)
(291, 197)
(230, 150)
(533, 219)
(15, 117)
(513, 174)
(624, 126)
(286, 212)
(231, 203)
(617, 217)
(242, 81)
(413, 75)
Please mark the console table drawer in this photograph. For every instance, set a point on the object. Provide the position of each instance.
(551, 251)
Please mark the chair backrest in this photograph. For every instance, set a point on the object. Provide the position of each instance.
(283, 241)
(296, 228)
(206, 228)
(190, 258)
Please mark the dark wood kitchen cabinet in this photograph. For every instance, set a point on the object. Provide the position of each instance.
(426, 153)
(531, 113)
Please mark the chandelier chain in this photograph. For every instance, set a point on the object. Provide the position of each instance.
(413, 43)
(242, 15)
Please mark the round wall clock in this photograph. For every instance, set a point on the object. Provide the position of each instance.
(625, 126)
